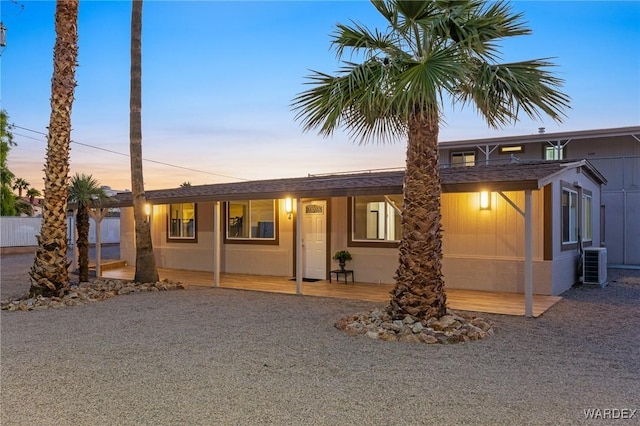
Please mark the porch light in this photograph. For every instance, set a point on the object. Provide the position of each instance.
(147, 209)
(485, 200)
(288, 207)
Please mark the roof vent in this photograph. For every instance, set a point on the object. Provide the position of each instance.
(541, 130)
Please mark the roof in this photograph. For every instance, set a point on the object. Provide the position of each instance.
(498, 177)
(546, 137)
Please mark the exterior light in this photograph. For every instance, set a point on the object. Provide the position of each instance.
(147, 209)
(485, 200)
(288, 207)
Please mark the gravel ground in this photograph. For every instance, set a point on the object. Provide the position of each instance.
(207, 356)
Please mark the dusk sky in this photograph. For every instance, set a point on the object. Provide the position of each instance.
(219, 78)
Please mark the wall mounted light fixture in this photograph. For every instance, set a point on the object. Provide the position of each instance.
(147, 210)
(288, 207)
(485, 200)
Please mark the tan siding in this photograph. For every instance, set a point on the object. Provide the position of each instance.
(494, 233)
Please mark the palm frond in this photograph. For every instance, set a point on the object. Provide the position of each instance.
(357, 38)
(356, 99)
(86, 190)
(501, 91)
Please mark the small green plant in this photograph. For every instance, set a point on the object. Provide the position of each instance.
(342, 256)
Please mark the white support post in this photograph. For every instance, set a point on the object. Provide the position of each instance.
(528, 255)
(216, 245)
(299, 246)
(98, 215)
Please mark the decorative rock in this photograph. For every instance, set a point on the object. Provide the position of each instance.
(408, 320)
(449, 329)
(417, 328)
(372, 335)
(89, 292)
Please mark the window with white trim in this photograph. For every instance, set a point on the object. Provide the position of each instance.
(553, 152)
(377, 218)
(251, 220)
(569, 216)
(182, 221)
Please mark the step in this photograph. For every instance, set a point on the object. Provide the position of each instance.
(109, 264)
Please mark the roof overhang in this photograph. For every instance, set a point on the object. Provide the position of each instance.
(502, 177)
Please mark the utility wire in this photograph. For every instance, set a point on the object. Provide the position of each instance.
(15, 126)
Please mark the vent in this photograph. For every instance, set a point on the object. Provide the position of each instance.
(595, 266)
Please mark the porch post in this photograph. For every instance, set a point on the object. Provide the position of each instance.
(528, 255)
(299, 246)
(216, 244)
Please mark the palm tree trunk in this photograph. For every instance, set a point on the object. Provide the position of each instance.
(49, 274)
(419, 290)
(146, 270)
(82, 224)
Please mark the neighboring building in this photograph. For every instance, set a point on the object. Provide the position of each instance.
(269, 227)
(614, 152)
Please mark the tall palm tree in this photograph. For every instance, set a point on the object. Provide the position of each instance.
(84, 192)
(146, 270)
(49, 274)
(431, 52)
(20, 184)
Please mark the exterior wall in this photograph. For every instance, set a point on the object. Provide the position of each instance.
(505, 275)
(277, 260)
(618, 159)
(370, 264)
(184, 255)
(127, 236)
(484, 249)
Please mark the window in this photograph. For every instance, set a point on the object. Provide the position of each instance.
(462, 159)
(569, 216)
(511, 149)
(587, 218)
(182, 221)
(251, 220)
(377, 218)
(554, 152)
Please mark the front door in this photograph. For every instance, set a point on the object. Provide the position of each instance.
(314, 239)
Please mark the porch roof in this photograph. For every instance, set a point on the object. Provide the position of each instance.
(497, 177)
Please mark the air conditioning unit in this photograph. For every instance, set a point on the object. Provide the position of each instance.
(595, 266)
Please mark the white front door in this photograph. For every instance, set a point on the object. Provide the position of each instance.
(314, 239)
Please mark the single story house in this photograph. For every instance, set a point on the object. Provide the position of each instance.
(507, 227)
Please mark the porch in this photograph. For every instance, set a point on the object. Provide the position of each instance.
(463, 300)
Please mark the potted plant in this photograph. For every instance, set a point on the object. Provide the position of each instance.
(342, 256)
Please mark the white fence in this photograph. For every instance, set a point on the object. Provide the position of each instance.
(22, 231)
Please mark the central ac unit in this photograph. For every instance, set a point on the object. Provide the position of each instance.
(595, 266)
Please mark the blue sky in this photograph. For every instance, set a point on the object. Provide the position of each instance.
(219, 77)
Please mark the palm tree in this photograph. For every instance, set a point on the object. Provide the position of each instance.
(7, 199)
(20, 184)
(430, 52)
(146, 270)
(84, 192)
(32, 193)
(49, 274)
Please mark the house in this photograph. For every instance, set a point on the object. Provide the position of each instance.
(614, 152)
(507, 227)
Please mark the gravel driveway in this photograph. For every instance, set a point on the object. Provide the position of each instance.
(206, 356)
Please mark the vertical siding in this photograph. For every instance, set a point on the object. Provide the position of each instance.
(22, 231)
(494, 233)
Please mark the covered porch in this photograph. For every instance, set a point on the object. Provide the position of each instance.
(457, 299)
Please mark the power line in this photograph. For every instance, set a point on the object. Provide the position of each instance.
(15, 126)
